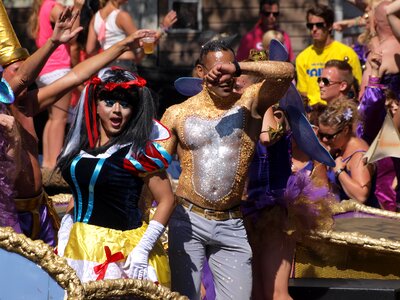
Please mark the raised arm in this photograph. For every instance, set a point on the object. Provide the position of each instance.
(92, 44)
(170, 19)
(277, 77)
(126, 23)
(31, 67)
(393, 16)
(47, 95)
(372, 104)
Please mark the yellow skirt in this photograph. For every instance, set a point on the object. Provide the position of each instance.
(86, 249)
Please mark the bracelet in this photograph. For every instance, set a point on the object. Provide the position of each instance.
(275, 134)
(374, 81)
(337, 173)
(138, 50)
(238, 71)
(162, 30)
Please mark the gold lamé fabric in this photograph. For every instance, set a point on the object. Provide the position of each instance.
(214, 147)
(10, 47)
(215, 137)
(364, 243)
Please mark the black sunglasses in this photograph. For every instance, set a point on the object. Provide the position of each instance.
(328, 136)
(326, 81)
(319, 25)
(268, 13)
(111, 102)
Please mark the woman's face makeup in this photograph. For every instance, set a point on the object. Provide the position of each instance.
(114, 115)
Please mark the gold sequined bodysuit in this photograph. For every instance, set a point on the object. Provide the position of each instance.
(215, 148)
(215, 140)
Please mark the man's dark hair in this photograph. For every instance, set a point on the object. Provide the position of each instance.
(214, 46)
(324, 12)
(269, 2)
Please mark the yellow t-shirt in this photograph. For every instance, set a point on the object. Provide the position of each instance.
(311, 61)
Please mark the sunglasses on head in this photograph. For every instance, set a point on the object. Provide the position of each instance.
(268, 13)
(111, 102)
(328, 136)
(319, 25)
(326, 82)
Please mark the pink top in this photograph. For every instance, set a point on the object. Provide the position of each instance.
(253, 40)
(60, 59)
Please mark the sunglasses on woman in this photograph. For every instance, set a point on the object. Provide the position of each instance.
(326, 81)
(328, 136)
(319, 25)
(268, 13)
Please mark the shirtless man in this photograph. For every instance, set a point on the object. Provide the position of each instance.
(214, 134)
(386, 44)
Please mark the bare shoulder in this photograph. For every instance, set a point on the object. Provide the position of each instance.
(360, 144)
(123, 14)
(123, 17)
(186, 106)
(171, 115)
(356, 148)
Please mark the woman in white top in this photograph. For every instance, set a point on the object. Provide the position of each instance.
(110, 25)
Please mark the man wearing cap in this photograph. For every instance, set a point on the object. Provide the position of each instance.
(214, 134)
(310, 62)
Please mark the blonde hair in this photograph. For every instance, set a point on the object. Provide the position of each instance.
(365, 37)
(340, 113)
(269, 35)
(33, 22)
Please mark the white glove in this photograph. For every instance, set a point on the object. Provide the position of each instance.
(137, 262)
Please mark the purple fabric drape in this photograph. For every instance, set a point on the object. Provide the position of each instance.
(373, 112)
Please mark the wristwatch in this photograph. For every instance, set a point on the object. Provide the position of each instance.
(337, 173)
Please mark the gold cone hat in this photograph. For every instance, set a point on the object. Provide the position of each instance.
(10, 48)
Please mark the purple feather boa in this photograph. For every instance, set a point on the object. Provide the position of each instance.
(307, 203)
(8, 212)
(301, 184)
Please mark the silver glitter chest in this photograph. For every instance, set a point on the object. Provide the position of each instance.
(215, 146)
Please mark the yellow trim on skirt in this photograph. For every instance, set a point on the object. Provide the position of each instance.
(87, 242)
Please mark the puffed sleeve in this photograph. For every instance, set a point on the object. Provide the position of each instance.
(151, 159)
